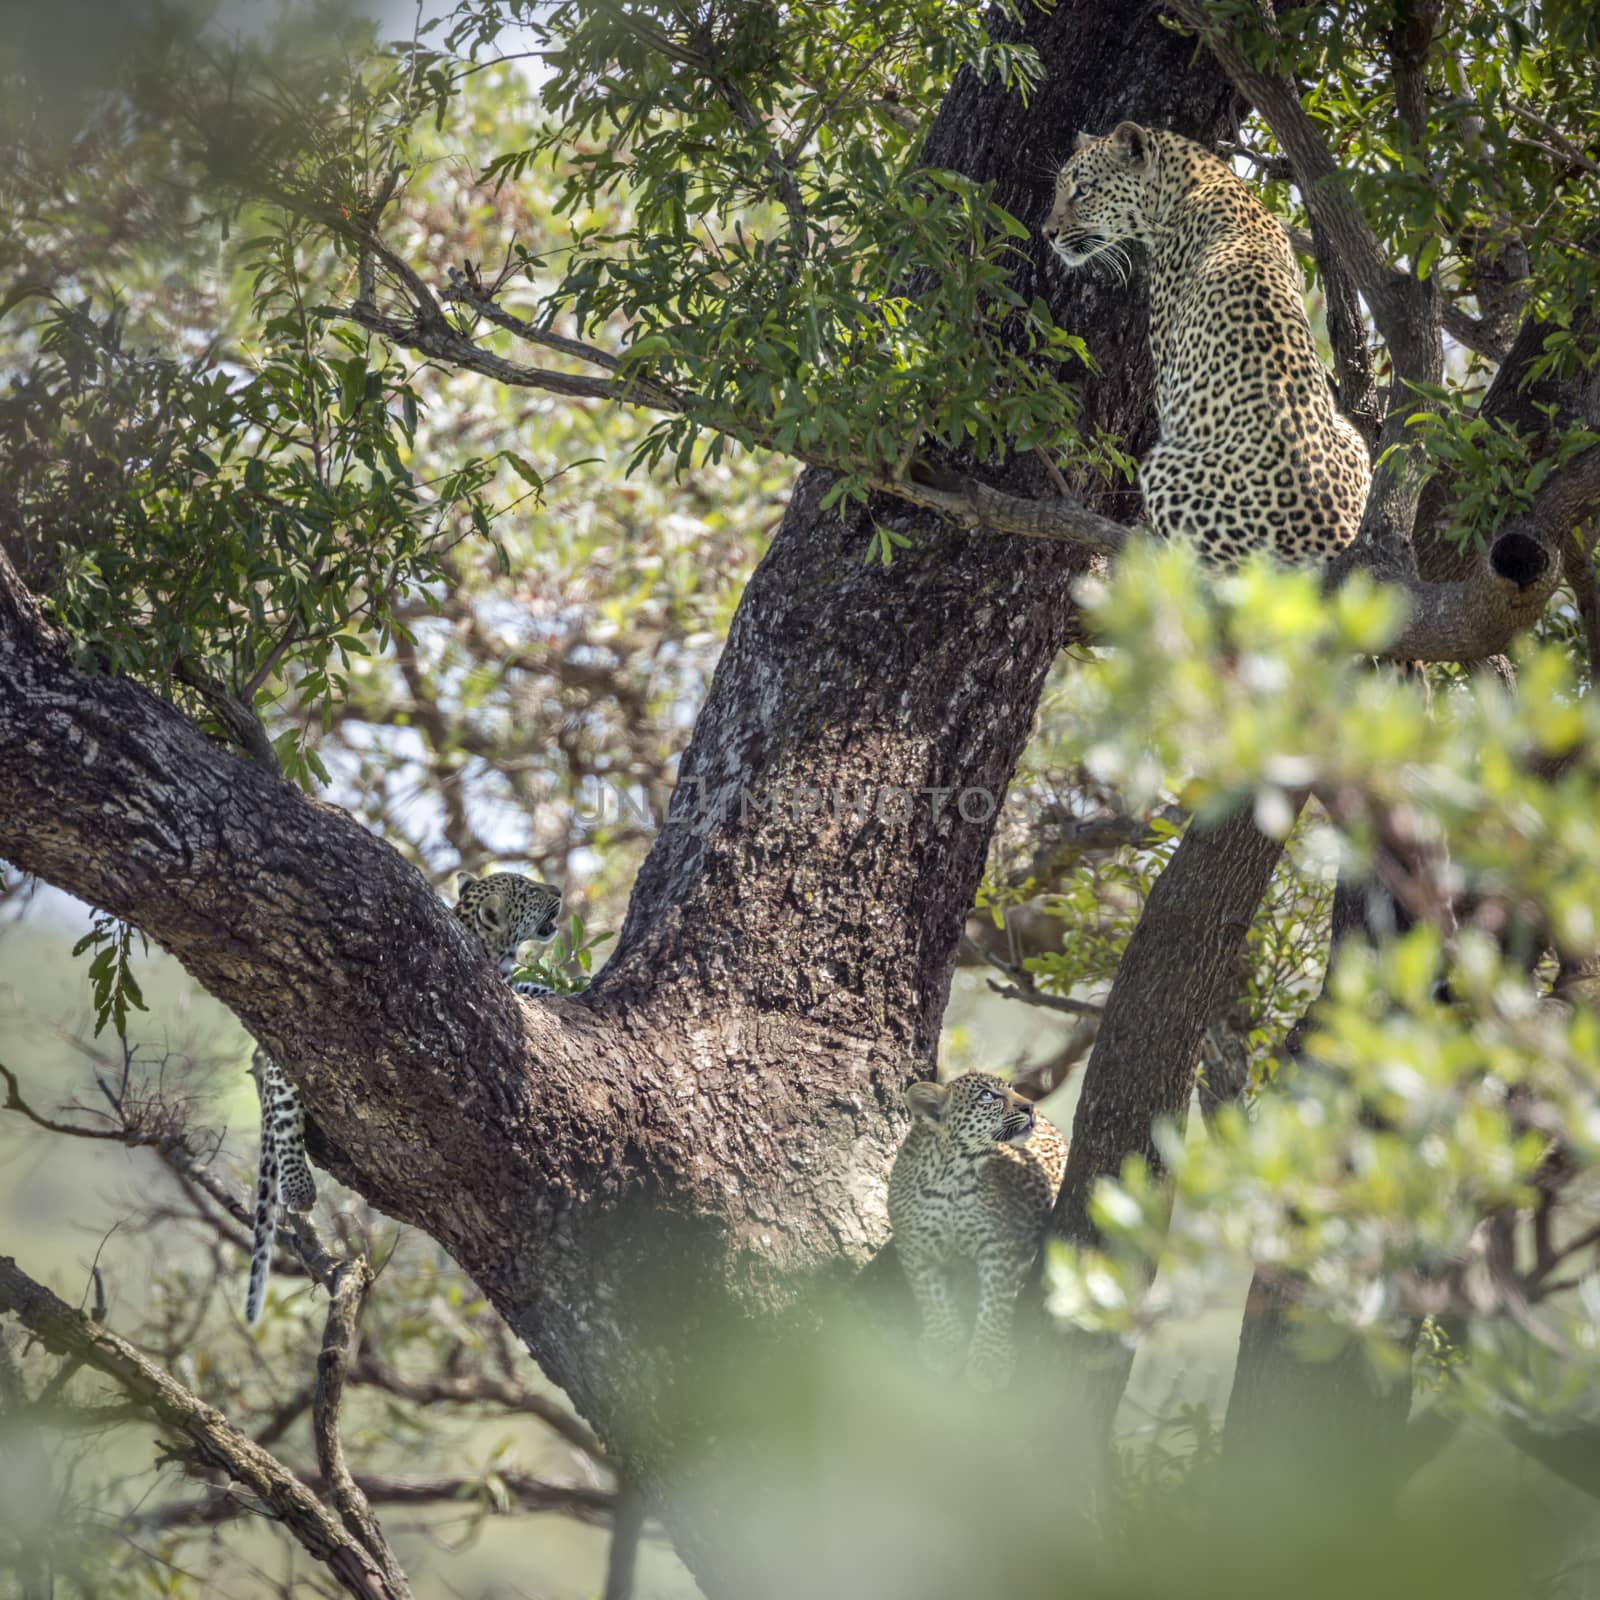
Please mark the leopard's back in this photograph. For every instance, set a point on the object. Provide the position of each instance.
(1254, 453)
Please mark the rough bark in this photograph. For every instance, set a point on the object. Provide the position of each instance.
(706, 1133)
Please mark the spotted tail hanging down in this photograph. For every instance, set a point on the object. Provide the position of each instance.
(283, 1178)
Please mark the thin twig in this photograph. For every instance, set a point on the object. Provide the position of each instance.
(351, 1282)
(1024, 988)
(478, 1389)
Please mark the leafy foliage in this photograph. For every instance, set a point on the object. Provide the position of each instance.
(1413, 1121)
(215, 531)
(111, 971)
(789, 263)
(574, 946)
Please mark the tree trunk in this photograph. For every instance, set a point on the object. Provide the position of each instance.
(1175, 973)
(705, 1135)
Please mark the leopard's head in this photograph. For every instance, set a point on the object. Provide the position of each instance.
(974, 1112)
(1105, 196)
(505, 910)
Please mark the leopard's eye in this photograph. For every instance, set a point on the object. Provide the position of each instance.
(988, 1097)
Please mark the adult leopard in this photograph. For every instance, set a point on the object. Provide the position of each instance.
(1253, 453)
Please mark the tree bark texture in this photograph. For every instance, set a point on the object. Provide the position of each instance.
(705, 1135)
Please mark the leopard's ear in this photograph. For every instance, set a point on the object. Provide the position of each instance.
(1084, 137)
(1132, 144)
(463, 879)
(928, 1100)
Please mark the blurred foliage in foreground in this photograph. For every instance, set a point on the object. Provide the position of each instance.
(1433, 1155)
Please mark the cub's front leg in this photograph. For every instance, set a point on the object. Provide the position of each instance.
(944, 1339)
(1002, 1273)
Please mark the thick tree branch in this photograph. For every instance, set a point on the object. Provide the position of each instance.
(209, 1438)
(1473, 332)
(1577, 566)
(1172, 981)
(1410, 41)
(1476, 617)
(622, 1557)
(1347, 333)
(970, 503)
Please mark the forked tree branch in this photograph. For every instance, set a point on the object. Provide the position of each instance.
(208, 1437)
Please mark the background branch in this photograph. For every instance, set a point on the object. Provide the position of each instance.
(351, 1282)
(209, 1439)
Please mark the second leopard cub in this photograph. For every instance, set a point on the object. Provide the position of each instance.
(971, 1192)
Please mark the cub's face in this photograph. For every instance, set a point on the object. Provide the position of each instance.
(1103, 196)
(505, 909)
(974, 1112)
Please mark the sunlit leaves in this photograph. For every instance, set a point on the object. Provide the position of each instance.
(1495, 470)
(788, 262)
(573, 947)
(1219, 686)
(214, 529)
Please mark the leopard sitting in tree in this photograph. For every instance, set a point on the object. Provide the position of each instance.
(971, 1191)
(503, 911)
(1253, 453)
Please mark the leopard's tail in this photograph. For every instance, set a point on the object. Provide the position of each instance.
(266, 1230)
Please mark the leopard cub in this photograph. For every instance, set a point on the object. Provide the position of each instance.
(971, 1192)
(503, 911)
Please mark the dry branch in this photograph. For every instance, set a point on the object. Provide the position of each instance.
(477, 1389)
(351, 1281)
(209, 1439)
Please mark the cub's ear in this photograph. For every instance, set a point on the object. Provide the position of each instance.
(1132, 144)
(1082, 139)
(928, 1100)
(463, 879)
